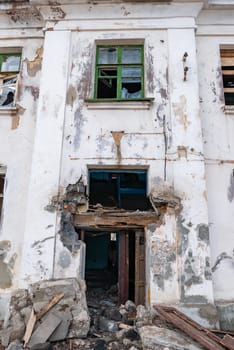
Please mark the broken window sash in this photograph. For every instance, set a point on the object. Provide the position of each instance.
(8, 84)
(227, 61)
(119, 73)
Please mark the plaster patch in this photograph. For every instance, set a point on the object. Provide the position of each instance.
(64, 259)
(34, 66)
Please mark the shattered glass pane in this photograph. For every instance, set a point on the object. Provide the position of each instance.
(131, 72)
(131, 88)
(107, 55)
(7, 91)
(10, 63)
(131, 55)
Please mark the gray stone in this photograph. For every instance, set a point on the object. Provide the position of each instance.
(130, 306)
(113, 314)
(226, 316)
(61, 331)
(80, 325)
(15, 345)
(108, 325)
(155, 338)
(45, 329)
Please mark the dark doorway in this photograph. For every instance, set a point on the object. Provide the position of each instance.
(116, 258)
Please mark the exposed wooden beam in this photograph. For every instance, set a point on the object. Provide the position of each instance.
(115, 219)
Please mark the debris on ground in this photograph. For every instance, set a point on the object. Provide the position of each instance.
(61, 315)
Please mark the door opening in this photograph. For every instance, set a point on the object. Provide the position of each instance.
(116, 259)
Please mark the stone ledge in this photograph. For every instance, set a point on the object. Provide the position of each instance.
(144, 104)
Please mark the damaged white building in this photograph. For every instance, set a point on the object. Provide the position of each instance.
(117, 150)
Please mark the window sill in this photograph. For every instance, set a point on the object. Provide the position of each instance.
(8, 111)
(229, 109)
(143, 103)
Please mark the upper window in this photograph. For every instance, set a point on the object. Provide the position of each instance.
(119, 72)
(227, 61)
(9, 69)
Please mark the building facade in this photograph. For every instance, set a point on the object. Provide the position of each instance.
(117, 149)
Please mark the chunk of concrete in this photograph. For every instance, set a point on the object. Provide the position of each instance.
(61, 331)
(45, 329)
(155, 338)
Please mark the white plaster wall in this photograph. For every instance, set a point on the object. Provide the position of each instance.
(41, 222)
(218, 130)
(16, 151)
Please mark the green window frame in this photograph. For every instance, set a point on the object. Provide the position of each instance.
(9, 69)
(119, 72)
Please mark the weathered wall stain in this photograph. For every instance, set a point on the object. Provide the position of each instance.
(117, 136)
(230, 193)
(33, 90)
(34, 66)
(71, 95)
(179, 109)
(163, 255)
(64, 259)
(24, 15)
(150, 70)
(203, 233)
(191, 276)
(6, 273)
(183, 232)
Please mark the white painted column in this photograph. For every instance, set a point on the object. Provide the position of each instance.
(186, 153)
(39, 237)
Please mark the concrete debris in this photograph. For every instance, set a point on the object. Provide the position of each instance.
(61, 312)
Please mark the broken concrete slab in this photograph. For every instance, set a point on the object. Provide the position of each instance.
(39, 295)
(61, 331)
(155, 338)
(45, 329)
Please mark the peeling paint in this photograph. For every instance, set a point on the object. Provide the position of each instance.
(163, 255)
(184, 235)
(33, 90)
(34, 66)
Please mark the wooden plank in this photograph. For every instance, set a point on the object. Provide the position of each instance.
(230, 90)
(227, 61)
(186, 325)
(228, 72)
(139, 268)
(120, 220)
(48, 306)
(228, 341)
(123, 267)
(29, 328)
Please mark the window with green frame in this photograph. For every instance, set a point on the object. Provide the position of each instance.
(119, 72)
(9, 69)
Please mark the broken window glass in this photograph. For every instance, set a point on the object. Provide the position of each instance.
(119, 72)
(9, 67)
(227, 60)
(10, 63)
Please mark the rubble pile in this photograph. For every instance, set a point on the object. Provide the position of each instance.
(48, 311)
